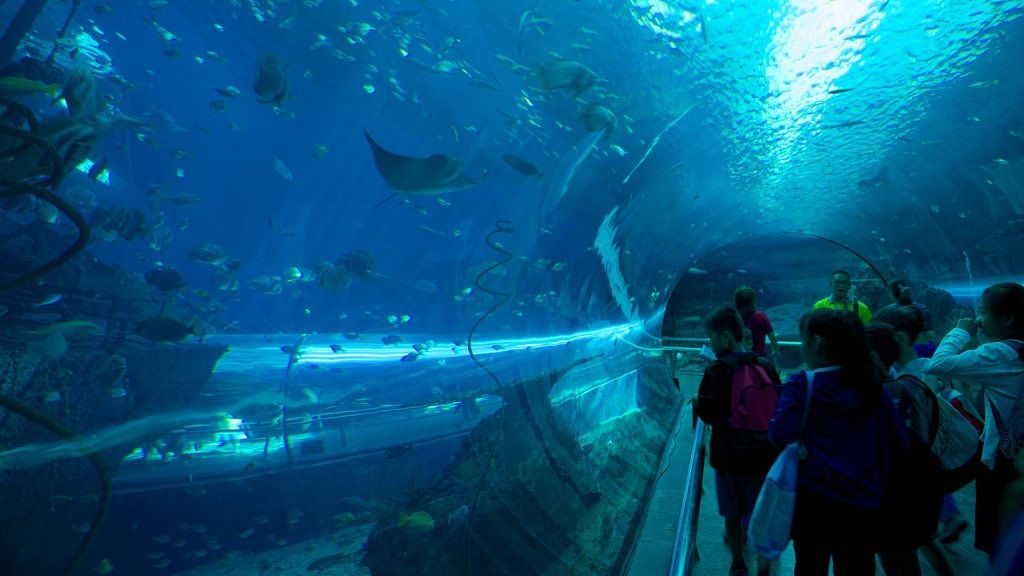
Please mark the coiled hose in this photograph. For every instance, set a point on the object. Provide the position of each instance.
(43, 191)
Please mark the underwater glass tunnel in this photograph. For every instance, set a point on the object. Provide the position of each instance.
(390, 287)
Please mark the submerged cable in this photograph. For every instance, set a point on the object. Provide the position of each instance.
(10, 187)
(500, 227)
(94, 457)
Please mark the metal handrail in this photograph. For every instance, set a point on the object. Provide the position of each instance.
(684, 550)
(705, 340)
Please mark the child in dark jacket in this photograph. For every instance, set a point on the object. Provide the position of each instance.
(914, 500)
(741, 458)
(852, 427)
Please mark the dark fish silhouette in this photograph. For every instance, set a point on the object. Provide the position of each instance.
(849, 124)
(360, 263)
(271, 82)
(521, 166)
(596, 117)
(435, 174)
(162, 329)
(881, 178)
(165, 279)
(566, 75)
(129, 223)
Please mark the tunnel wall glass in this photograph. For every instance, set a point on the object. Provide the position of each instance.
(384, 287)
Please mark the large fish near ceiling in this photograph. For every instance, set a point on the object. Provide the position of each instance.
(435, 174)
(566, 75)
(271, 80)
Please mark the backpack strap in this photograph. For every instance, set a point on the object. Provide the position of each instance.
(802, 448)
(933, 420)
(1017, 345)
(731, 360)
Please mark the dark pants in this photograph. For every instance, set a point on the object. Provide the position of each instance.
(989, 487)
(825, 529)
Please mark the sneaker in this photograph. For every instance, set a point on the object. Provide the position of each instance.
(737, 569)
(951, 530)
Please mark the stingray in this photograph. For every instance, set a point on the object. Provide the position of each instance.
(436, 174)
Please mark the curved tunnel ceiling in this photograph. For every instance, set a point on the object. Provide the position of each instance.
(894, 128)
(882, 126)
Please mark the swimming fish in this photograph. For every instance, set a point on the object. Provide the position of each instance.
(72, 139)
(419, 520)
(521, 166)
(229, 92)
(48, 349)
(566, 75)
(877, 180)
(129, 223)
(283, 170)
(162, 329)
(849, 124)
(98, 168)
(459, 515)
(72, 330)
(596, 117)
(18, 86)
(165, 279)
(271, 82)
(435, 174)
(49, 299)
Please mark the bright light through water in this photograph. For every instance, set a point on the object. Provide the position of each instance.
(815, 45)
(665, 19)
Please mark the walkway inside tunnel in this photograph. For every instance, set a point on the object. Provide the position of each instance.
(659, 534)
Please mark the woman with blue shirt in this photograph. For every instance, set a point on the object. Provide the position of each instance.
(852, 431)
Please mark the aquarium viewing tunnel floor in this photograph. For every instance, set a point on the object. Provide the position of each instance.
(654, 549)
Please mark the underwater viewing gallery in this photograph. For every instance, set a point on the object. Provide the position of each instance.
(400, 287)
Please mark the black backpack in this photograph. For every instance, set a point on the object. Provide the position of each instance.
(951, 444)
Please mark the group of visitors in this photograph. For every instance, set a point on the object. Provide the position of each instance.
(865, 483)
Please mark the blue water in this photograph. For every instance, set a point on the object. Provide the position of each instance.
(741, 129)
